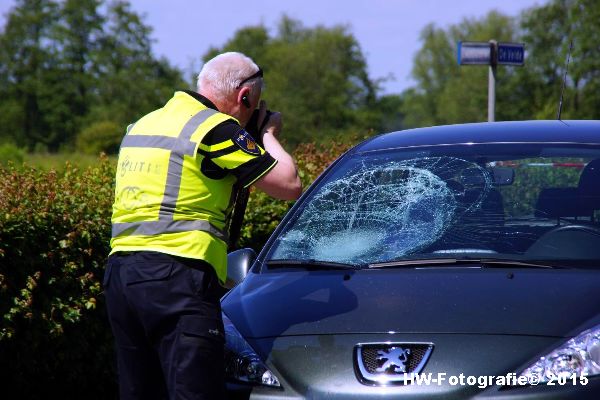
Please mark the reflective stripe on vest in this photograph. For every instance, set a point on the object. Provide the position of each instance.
(157, 227)
(179, 147)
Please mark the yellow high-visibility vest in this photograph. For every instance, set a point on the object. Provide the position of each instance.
(163, 202)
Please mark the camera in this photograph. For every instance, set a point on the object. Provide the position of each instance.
(252, 126)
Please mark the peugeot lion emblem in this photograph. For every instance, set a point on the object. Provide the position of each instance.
(387, 363)
(394, 360)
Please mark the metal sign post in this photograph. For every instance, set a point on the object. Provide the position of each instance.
(492, 82)
(492, 54)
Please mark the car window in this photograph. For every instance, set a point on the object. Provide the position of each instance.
(460, 201)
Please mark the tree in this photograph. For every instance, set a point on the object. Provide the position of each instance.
(448, 93)
(65, 66)
(23, 61)
(317, 77)
(550, 30)
(67, 90)
(586, 65)
(131, 81)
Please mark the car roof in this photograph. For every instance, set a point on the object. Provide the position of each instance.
(557, 131)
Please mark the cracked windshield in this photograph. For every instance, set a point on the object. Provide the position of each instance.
(478, 201)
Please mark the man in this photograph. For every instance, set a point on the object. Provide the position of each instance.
(179, 168)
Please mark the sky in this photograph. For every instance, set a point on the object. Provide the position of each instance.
(386, 30)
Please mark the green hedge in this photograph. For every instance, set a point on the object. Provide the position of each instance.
(53, 244)
(55, 340)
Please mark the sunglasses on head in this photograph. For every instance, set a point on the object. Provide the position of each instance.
(258, 74)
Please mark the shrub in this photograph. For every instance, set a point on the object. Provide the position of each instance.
(9, 152)
(100, 137)
(54, 231)
(55, 340)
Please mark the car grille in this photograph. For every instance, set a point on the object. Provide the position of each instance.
(386, 363)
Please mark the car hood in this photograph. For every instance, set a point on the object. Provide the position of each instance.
(546, 302)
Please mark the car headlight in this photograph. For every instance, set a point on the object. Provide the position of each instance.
(241, 362)
(579, 356)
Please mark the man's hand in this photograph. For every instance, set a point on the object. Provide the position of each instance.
(282, 182)
(257, 125)
(273, 125)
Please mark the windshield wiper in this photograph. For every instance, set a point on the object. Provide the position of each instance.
(415, 262)
(484, 262)
(309, 264)
(501, 263)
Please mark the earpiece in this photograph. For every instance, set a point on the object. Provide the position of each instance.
(246, 101)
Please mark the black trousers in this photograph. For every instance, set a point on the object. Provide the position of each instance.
(165, 315)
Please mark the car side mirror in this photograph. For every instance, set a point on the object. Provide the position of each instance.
(238, 265)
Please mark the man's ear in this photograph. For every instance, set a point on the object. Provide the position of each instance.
(243, 96)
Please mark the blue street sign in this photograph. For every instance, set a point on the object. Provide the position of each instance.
(511, 53)
(491, 54)
(474, 53)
